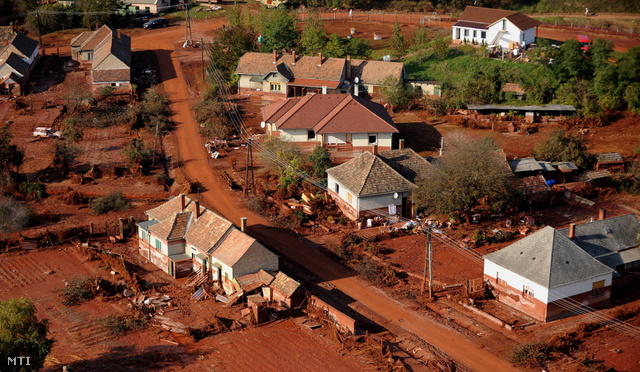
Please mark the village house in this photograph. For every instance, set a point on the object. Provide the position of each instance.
(279, 76)
(495, 27)
(181, 237)
(550, 273)
(18, 56)
(332, 120)
(148, 6)
(372, 185)
(611, 161)
(107, 54)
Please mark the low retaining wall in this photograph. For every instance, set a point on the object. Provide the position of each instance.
(343, 321)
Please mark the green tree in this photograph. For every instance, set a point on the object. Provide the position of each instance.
(570, 62)
(64, 154)
(138, 155)
(99, 12)
(440, 47)
(278, 30)
(469, 171)
(630, 64)
(420, 38)
(599, 52)
(211, 115)
(284, 158)
(112, 202)
(563, 146)
(632, 96)
(395, 92)
(153, 112)
(398, 42)
(23, 335)
(11, 157)
(230, 44)
(314, 36)
(320, 160)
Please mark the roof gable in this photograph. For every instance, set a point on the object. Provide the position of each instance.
(96, 38)
(173, 228)
(285, 284)
(24, 44)
(368, 174)
(14, 64)
(548, 258)
(234, 247)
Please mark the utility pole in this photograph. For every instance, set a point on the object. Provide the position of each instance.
(188, 38)
(248, 184)
(39, 31)
(428, 259)
(202, 55)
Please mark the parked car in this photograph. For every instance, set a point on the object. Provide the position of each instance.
(46, 132)
(156, 23)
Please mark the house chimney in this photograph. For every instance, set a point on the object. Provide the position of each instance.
(603, 214)
(183, 202)
(293, 54)
(348, 66)
(197, 210)
(243, 224)
(319, 59)
(96, 26)
(275, 56)
(572, 231)
(401, 144)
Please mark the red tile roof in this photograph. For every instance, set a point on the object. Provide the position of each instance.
(305, 67)
(314, 83)
(234, 247)
(490, 16)
(374, 72)
(330, 113)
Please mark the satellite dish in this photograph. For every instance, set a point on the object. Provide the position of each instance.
(263, 124)
(356, 80)
(395, 195)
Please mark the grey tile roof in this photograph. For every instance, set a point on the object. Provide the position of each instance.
(407, 162)
(16, 64)
(24, 44)
(548, 258)
(374, 72)
(369, 175)
(602, 237)
(525, 165)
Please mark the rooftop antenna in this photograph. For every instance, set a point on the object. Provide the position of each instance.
(188, 38)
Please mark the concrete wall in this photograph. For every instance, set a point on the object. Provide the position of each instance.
(379, 202)
(153, 255)
(343, 321)
(362, 139)
(512, 33)
(176, 247)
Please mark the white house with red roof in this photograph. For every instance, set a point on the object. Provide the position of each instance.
(505, 28)
(181, 237)
(331, 119)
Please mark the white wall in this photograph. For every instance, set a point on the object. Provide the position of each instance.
(335, 138)
(512, 33)
(343, 190)
(378, 201)
(176, 247)
(362, 139)
(163, 245)
(294, 135)
(516, 281)
(245, 82)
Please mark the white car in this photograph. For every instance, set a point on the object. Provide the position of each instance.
(46, 132)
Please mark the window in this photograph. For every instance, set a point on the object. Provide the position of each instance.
(466, 32)
(483, 34)
(504, 25)
(274, 86)
(337, 189)
(373, 139)
(144, 235)
(349, 197)
(436, 91)
(475, 33)
(598, 288)
(527, 292)
(311, 135)
(158, 244)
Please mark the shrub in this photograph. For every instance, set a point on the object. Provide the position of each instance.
(162, 179)
(119, 324)
(14, 215)
(532, 354)
(78, 289)
(254, 203)
(112, 202)
(33, 190)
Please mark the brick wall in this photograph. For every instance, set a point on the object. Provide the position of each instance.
(346, 208)
(343, 321)
(182, 268)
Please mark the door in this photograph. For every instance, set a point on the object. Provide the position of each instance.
(171, 267)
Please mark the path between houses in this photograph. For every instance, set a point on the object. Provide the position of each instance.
(217, 196)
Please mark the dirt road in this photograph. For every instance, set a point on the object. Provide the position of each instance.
(215, 194)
